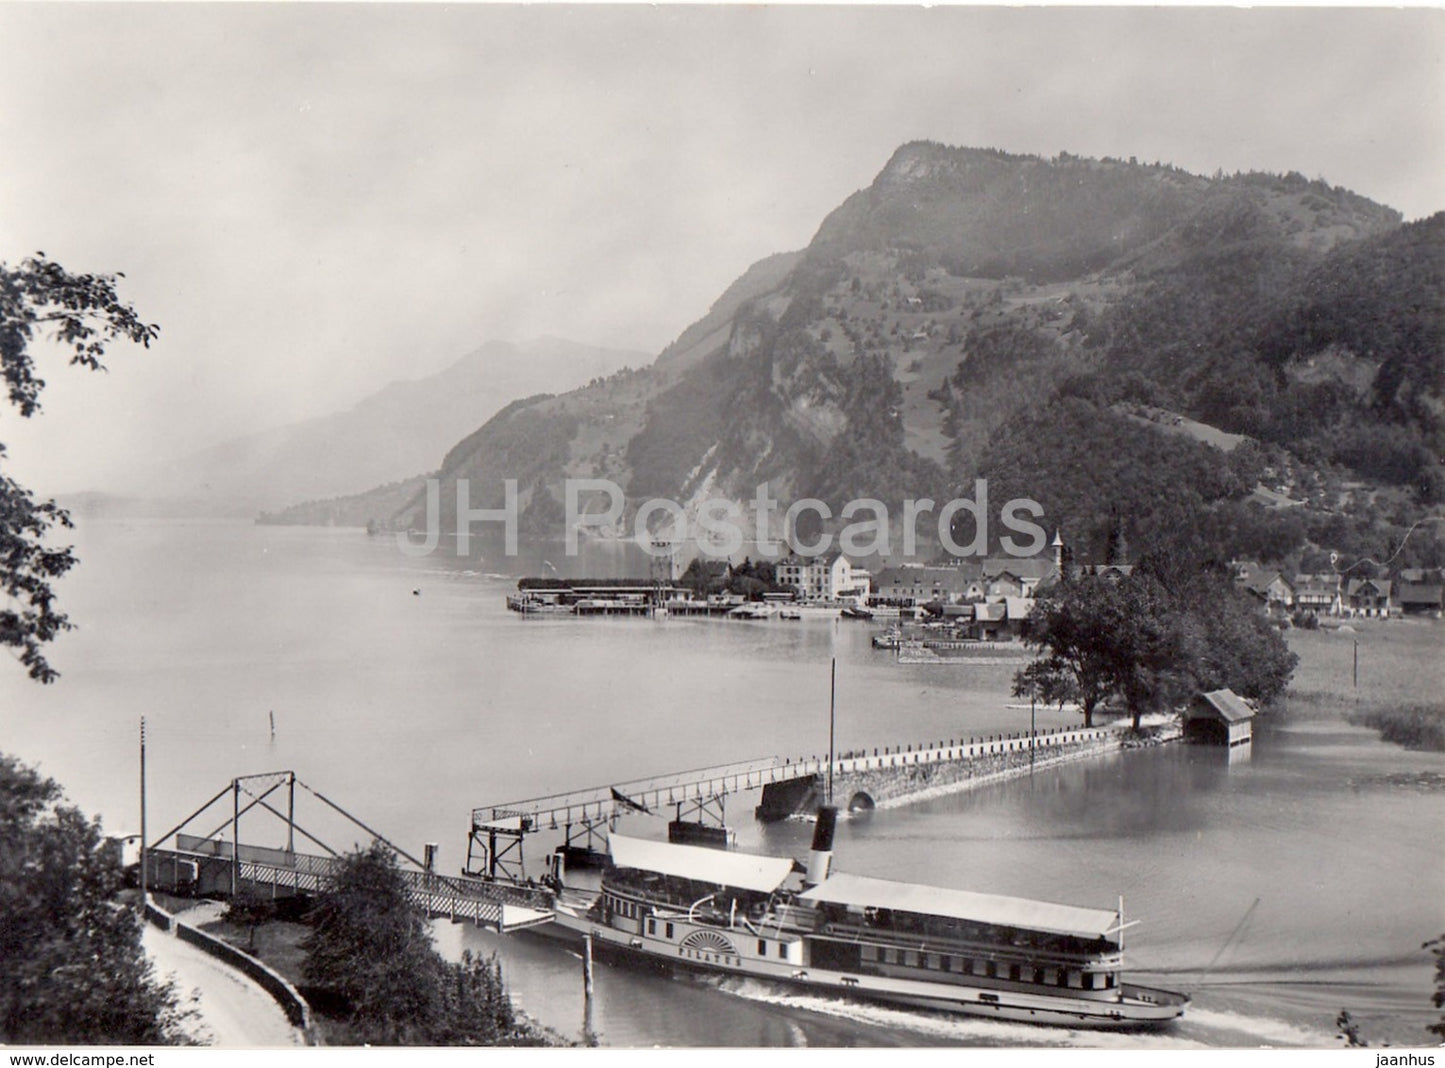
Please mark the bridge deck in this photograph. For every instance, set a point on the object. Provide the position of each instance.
(500, 905)
(599, 804)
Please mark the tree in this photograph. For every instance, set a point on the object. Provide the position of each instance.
(369, 950)
(74, 969)
(705, 577)
(370, 947)
(1074, 625)
(250, 910)
(1151, 642)
(1045, 682)
(1437, 947)
(83, 313)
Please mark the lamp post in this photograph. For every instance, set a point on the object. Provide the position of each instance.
(1032, 697)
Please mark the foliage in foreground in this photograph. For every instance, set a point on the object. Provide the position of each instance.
(1437, 947)
(1349, 1030)
(370, 960)
(74, 970)
(83, 313)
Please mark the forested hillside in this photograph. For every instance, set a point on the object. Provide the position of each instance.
(979, 313)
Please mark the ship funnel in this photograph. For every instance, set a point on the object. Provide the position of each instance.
(820, 857)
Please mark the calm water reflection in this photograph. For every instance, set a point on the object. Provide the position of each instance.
(1277, 890)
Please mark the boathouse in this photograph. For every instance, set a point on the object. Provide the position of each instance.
(1220, 717)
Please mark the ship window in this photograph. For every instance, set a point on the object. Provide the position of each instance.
(910, 958)
(1109, 981)
(1049, 976)
(762, 948)
(669, 930)
(1014, 972)
(979, 968)
(652, 927)
(946, 963)
(1038, 976)
(870, 953)
(782, 950)
(1063, 979)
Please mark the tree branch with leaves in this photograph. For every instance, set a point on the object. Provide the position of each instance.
(42, 302)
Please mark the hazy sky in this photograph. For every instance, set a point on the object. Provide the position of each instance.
(314, 200)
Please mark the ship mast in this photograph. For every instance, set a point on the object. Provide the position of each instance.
(820, 856)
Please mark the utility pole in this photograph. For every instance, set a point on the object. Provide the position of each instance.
(235, 838)
(144, 882)
(1032, 698)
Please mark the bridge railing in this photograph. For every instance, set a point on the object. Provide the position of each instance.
(601, 803)
(479, 899)
(953, 749)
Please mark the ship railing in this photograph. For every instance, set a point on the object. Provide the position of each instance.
(787, 920)
(892, 938)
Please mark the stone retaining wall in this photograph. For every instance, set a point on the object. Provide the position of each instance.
(891, 778)
(296, 1008)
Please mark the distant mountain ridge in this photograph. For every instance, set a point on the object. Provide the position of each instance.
(964, 292)
(398, 432)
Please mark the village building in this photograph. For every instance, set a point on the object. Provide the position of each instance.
(1269, 587)
(1319, 594)
(1421, 591)
(829, 577)
(1369, 597)
(911, 585)
(1113, 572)
(1014, 576)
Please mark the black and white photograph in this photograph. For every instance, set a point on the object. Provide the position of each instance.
(720, 526)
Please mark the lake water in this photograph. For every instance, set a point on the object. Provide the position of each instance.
(1276, 890)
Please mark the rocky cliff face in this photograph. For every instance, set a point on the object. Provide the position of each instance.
(961, 288)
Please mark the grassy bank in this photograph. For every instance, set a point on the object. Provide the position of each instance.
(1382, 674)
(1414, 727)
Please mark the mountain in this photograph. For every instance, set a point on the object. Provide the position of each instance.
(398, 432)
(971, 302)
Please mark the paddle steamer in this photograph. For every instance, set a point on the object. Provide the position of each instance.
(927, 947)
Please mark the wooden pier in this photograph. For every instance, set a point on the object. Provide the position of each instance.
(789, 786)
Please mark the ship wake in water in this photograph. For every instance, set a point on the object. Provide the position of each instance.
(1203, 1028)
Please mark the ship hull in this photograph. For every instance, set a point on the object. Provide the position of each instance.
(1133, 1007)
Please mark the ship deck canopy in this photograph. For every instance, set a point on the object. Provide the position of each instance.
(861, 891)
(743, 871)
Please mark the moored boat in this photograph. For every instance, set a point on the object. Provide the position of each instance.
(888, 639)
(907, 944)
